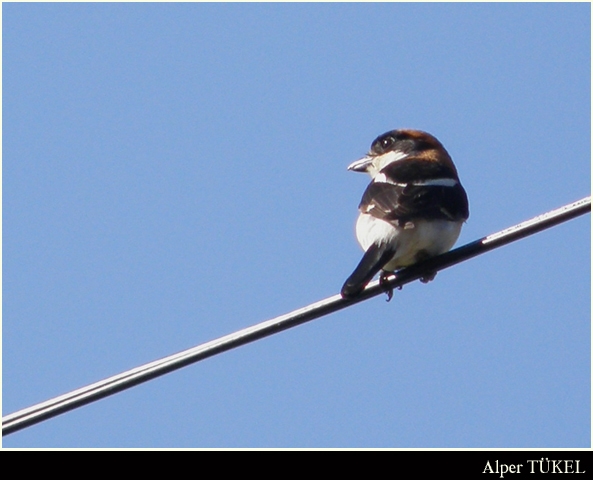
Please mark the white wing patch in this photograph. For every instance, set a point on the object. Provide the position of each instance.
(433, 182)
(382, 178)
(436, 182)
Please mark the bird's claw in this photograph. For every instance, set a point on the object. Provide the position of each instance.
(385, 285)
(429, 277)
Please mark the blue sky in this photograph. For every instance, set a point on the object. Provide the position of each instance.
(176, 172)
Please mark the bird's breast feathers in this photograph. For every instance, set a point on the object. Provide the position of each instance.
(418, 237)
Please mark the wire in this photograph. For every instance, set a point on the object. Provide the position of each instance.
(77, 398)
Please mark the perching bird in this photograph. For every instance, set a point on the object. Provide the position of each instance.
(412, 209)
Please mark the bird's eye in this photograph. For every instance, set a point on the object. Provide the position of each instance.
(387, 142)
(382, 144)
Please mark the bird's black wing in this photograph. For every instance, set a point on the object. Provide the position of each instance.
(400, 203)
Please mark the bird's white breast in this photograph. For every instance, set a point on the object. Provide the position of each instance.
(432, 236)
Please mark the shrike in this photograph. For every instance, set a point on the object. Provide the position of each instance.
(413, 208)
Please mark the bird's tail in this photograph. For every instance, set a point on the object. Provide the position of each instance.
(372, 261)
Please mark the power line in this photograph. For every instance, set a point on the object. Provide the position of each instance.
(69, 401)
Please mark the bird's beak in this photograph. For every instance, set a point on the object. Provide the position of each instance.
(361, 165)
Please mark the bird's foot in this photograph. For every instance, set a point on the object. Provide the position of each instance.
(385, 285)
(429, 277)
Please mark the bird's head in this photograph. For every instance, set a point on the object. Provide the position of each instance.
(398, 145)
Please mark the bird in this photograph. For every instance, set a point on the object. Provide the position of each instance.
(412, 210)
